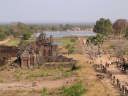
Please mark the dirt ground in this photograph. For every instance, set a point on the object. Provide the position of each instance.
(4, 41)
(86, 73)
(95, 86)
(37, 85)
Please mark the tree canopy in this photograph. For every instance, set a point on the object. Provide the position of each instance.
(20, 29)
(120, 26)
(4, 32)
(103, 26)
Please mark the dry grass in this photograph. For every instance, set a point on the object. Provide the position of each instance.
(34, 74)
(20, 93)
(95, 87)
(13, 42)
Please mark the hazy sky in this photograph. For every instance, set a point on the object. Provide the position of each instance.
(46, 11)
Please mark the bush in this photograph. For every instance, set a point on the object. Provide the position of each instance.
(73, 40)
(26, 35)
(71, 50)
(75, 90)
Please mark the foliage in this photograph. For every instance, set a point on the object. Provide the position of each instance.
(16, 30)
(13, 42)
(73, 40)
(75, 90)
(4, 32)
(19, 29)
(69, 44)
(103, 26)
(24, 43)
(55, 73)
(2, 35)
(96, 40)
(70, 48)
(44, 92)
(126, 33)
(26, 35)
(120, 26)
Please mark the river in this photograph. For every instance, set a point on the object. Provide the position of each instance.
(60, 34)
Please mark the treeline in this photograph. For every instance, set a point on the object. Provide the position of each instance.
(62, 27)
(16, 30)
(25, 30)
(4, 31)
(106, 27)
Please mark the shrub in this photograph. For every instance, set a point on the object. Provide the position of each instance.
(26, 35)
(71, 50)
(2, 35)
(75, 90)
(73, 40)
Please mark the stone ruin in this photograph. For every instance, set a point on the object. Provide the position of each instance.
(37, 53)
(6, 53)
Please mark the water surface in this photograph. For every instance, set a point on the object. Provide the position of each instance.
(60, 34)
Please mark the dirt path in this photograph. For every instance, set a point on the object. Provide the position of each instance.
(5, 41)
(37, 85)
(95, 86)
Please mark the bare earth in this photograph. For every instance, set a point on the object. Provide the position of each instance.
(37, 85)
(95, 86)
(4, 41)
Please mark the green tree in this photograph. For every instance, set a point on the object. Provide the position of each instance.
(26, 35)
(96, 41)
(20, 29)
(2, 35)
(3, 32)
(103, 26)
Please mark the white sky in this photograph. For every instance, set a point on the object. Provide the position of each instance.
(46, 11)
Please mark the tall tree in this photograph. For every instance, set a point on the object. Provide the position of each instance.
(103, 26)
(120, 26)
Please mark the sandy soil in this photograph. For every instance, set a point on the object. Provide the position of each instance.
(37, 85)
(5, 41)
